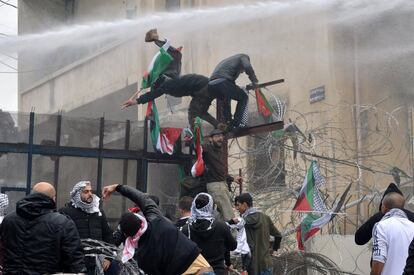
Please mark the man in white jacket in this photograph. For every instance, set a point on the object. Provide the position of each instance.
(391, 237)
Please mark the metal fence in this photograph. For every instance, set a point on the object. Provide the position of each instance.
(64, 150)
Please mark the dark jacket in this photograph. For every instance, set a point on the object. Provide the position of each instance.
(214, 164)
(90, 226)
(215, 242)
(162, 249)
(409, 266)
(180, 223)
(174, 69)
(259, 227)
(364, 232)
(38, 240)
(231, 67)
(186, 85)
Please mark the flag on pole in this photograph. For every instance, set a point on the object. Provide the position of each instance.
(198, 167)
(263, 106)
(163, 139)
(158, 64)
(309, 196)
(312, 223)
(310, 200)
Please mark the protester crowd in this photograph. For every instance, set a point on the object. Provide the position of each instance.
(36, 238)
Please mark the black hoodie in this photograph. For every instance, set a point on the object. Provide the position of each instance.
(38, 240)
(214, 240)
(364, 232)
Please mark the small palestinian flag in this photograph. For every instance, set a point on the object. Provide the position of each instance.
(198, 168)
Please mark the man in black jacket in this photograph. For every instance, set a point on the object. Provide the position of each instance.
(212, 237)
(90, 220)
(184, 206)
(223, 86)
(159, 247)
(409, 266)
(364, 232)
(193, 85)
(37, 239)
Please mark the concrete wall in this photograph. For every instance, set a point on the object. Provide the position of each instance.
(343, 251)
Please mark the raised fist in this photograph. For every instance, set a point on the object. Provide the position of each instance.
(151, 35)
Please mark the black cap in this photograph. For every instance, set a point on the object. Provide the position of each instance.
(392, 188)
(216, 132)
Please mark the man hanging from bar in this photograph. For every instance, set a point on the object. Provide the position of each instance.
(193, 85)
(223, 86)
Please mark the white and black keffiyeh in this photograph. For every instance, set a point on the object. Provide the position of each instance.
(205, 213)
(75, 198)
(4, 204)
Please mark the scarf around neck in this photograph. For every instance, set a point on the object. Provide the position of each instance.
(75, 198)
(131, 243)
(249, 211)
(395, 212)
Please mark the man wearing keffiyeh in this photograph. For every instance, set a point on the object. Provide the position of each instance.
(157, 245)
(84, 209)
(212, 236)
(4, 203)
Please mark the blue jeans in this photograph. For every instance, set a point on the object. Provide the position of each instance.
(209, 273)
(268, 271)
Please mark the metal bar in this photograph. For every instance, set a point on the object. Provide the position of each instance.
(91, 152)
(142, 175)
(57, 160)
(4, 189)
(100, 157)
(125, 162)
(220, 117)
(269, 127)
(264, 84)
(30, 154)
(178, 147)
(145, 147)
(241, 183)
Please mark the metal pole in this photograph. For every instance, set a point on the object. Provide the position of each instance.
(412, 144)
(241, 183)
(57, 159)
(125, 162)
(142, 175)
(100, 158)
(30, 153)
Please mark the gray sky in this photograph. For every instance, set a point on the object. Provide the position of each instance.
(8, 81)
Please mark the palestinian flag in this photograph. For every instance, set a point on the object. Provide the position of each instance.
(163, 139)
(312, 223)
(198, 168)
(157, 66)
(309, 226)
(309, 196)
(263, 106)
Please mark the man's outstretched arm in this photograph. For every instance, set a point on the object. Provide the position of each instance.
(148, 206)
